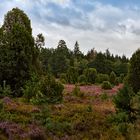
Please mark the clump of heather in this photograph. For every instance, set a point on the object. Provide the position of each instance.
(13, 130)
(7, 100)
(36, 133)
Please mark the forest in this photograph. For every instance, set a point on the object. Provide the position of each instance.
(64, 94)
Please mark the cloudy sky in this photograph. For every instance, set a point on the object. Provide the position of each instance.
(99, 24)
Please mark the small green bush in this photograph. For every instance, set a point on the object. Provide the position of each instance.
(104, 96)
(63, 78)
(102, 77)
(120, 121)
(82, 79)
(77, 92)
(31, 88)
(51, 89)
(106, 85)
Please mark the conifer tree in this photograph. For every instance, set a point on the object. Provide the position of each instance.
(17, 50)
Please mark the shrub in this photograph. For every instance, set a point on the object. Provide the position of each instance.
(31, 88)
(135, 103)
(77, 92)
(63, 78)
(102, 77)
(123, 101)
(106, 85)
(120, 122)
(91, 75)
(43, 90)
(51, 89)
(104, 96)
(82, 79)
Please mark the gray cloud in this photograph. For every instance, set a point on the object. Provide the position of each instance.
(92, 23)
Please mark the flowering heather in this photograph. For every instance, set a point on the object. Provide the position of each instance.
(18, 106)
(35, 132)
(13, 130)
(7, 100)
(93, 89)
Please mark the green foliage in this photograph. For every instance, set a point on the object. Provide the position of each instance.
(72, 75)
(17, 51)
(63, 78)
(117, 80)
(102, 77)
(82, 79)
(101, 64)
(106, 85)
(77, 92)
(45, 56)
(104, 96)
(91, 55)
(134, 71)
(123, 99)
(118, 118)
(89, 108)
(112, 78)
(44, 90)
(121, 122)
(135, 104)
(5, 90)
(121, 68)
(51, 89)
(31, 88)
(121, 78)
(77, 53)
(91, 75)
(16, 16)
(59, 61)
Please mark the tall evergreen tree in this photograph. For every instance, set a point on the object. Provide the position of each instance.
(17, 50)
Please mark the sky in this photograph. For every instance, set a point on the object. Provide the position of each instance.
(99, 24)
